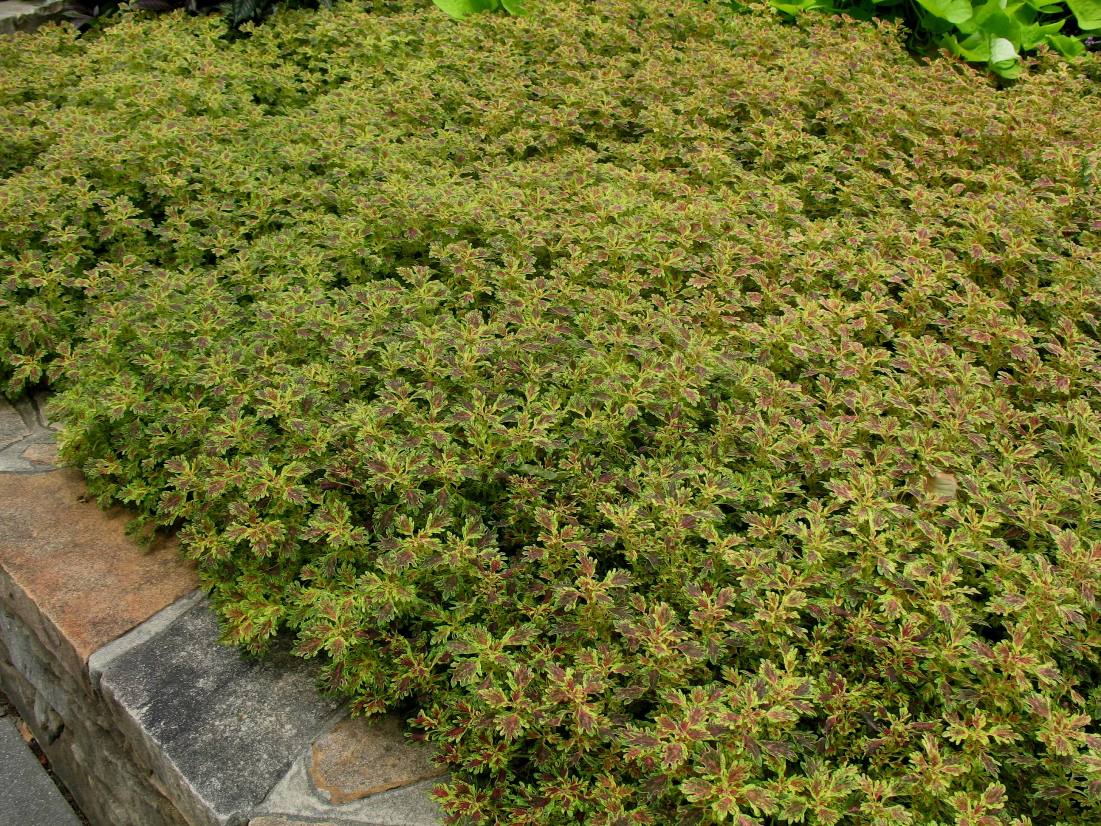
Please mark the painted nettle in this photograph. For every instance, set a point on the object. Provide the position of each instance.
(679, 415)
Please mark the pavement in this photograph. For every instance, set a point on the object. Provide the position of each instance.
(28, 796)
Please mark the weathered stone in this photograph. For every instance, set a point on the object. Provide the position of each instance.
(27, 795)
(75, 564)
(41, 453)
(12, 427)
(295, 798)
(360, 758)
(75, 730)
(285, 821)
(219, 730)
(27, 15)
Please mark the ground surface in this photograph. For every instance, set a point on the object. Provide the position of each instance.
(29, 792)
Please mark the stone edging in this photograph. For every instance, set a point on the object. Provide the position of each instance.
(111, 655)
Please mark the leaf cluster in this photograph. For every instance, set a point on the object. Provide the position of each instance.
(994, 33)
(689, 418)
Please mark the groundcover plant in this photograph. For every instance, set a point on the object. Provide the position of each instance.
(681, 416)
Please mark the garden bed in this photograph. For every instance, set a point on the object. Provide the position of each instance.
(674, 414)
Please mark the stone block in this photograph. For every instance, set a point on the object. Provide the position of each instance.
(74, 562)
(43, 454)
(27, 15)
(218, 730)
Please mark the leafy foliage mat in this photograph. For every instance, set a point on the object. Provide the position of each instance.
(695, 418)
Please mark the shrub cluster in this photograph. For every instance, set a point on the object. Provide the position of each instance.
(685, 417)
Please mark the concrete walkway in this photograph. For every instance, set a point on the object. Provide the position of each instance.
(27, 795)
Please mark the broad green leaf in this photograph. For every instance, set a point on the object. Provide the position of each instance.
(1002, 50)
(1033, 35)
(1045, 6)
(954, 11)
(975, 48)
(1086, 12)
(464, 8)
(518, 8)
(795, 8)
(992, 20)
(1066, 46)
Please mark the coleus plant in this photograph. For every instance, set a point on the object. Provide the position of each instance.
(681, 416)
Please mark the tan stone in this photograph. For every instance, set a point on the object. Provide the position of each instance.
(282, 821)
(88, 582)
(41, 454)
(361, 757)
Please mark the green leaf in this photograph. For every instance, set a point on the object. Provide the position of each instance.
(796, 8)
(1086, 12)
(1033, 35)
(1066, 46)
(1001, 50)
(954, 11)
(975, 48)
(518, 8)
(1045, 6)
(464, 8)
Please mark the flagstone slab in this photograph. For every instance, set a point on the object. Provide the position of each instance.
(76, 564)
(359, 758)
(40, 453)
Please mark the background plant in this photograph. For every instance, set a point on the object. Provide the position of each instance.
(685, 417)
(994, 33)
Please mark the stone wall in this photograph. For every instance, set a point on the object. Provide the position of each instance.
(111, 656)
(76, 730)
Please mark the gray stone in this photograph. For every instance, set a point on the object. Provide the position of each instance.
(27, 795)
(101, 659)
(12, 427)
(41, 454)
(27, 15)
(76, 731)
(218, 730)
